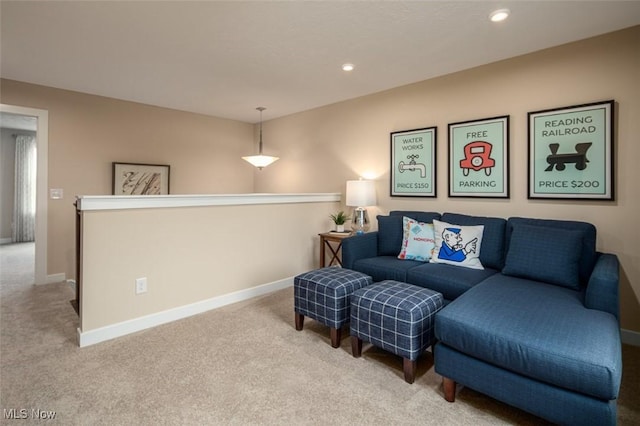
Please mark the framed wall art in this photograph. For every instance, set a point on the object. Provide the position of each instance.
(140, 179)
(479, 158)
(413, 163)
(571, 152)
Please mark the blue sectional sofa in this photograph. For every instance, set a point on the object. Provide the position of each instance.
(537, 328)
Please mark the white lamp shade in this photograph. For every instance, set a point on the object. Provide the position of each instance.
(361, 193)
(260, 161)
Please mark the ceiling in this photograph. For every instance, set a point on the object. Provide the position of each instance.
(226, 58)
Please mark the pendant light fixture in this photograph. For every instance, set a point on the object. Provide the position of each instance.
(260, 161)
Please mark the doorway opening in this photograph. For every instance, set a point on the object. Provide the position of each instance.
(21, 123)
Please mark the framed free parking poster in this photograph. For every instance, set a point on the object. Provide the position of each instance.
(413, 163)
(479, 158)
(571, 152)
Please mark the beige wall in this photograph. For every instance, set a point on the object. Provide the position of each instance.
(87, 133)
(191, 254)
(322, 148)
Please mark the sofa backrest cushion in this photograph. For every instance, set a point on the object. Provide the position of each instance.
(541, 253)
(425, 217)
(492, 251)
(588, 255)
(390, 229)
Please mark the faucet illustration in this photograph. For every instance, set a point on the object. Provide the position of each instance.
(412, 165)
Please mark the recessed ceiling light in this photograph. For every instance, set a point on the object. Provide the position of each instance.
(499, 15)
(347, 67)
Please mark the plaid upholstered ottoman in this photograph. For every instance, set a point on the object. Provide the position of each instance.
(324, 295)
(397, 317)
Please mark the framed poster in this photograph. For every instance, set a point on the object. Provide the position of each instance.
(413, 163)
(571, 152)
(479, 158)
(140, 179)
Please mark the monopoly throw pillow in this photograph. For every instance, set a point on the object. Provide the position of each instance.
(457, 245)
(417, 240)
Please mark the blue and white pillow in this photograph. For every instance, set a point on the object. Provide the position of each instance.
(457, 245)
(417, 241)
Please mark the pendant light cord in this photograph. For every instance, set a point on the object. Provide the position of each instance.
(260, 144)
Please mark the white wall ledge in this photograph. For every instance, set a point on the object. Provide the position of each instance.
(125, 202)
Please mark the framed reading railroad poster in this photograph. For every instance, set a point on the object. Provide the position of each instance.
(571, 152)
(479, 158)
(413, 163)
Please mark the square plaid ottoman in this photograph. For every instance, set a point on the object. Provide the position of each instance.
(324, 295)
(397, 317)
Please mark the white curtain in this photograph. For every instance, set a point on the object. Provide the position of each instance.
(24, 206)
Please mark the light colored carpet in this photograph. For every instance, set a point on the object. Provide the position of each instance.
(241, 364)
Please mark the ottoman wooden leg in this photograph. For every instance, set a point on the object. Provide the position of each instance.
(299, 321)
(409, 370)
(449, 387)
(356, 347)
(335, 337)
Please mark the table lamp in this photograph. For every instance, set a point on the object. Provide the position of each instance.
(360, 194)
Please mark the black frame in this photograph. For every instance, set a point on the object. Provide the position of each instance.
(429, 180)
(572, 137)
(470, 158)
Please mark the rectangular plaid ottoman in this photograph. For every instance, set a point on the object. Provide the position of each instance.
(324, 295)
(397, 317)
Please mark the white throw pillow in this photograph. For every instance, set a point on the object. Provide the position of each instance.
(457, 245)
(417, 240)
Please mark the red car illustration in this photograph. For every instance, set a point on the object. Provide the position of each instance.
(477, 157)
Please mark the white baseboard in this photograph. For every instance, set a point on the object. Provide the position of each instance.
(55, 278)
(630, 337)
(72, 284)
(109, 332)
(5, 240)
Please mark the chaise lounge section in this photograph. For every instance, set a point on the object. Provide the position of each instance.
(537, 328)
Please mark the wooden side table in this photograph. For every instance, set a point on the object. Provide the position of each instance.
(326, 238)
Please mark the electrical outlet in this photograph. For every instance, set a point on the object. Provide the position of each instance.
(141, 285)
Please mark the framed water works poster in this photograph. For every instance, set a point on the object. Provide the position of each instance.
(140, 179)
(479, 158)
(571, 152)
(413, 163)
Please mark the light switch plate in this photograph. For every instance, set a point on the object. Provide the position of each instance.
(56, 193)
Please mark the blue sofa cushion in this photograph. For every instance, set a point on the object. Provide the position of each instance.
(541, 331)
(449, 280)
(588, 254)
(426, 217)
(385, 267)
(493, 236)
(390, 229)
(550, 255)
(389, 235)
